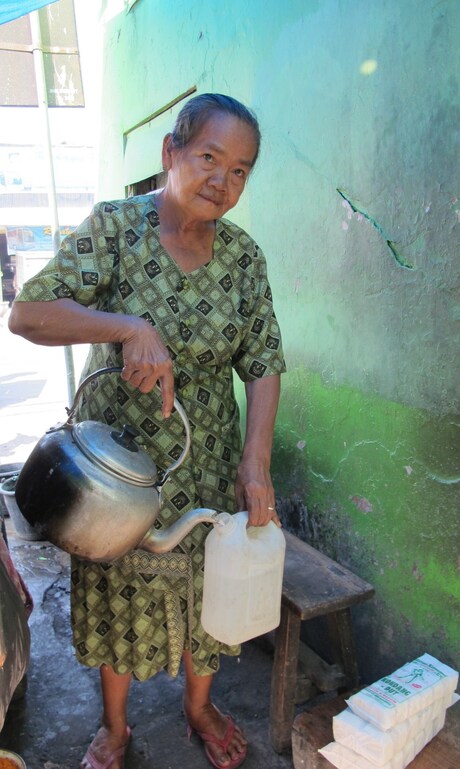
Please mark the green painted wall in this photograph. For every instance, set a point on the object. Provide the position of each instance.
(374, 484)
(355, 203)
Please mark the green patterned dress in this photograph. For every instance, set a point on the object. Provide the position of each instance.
(138, 614)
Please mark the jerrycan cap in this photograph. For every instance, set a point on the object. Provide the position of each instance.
(225, 523)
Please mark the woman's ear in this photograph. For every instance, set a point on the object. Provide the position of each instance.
(166, 152)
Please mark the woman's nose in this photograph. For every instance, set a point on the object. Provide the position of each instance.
(218, 179)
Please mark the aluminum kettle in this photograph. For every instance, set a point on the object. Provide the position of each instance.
(94, 492)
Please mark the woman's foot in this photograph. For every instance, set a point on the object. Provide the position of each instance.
(224, 742)
(107, 750)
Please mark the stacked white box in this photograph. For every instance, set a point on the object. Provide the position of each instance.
(405, 692)
(389, 722)
(378, 746)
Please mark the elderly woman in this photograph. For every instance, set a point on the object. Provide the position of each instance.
(165, 287)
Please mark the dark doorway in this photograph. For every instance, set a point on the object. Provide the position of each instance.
(146, 186)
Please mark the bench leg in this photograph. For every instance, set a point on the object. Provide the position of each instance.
(284, 680)
(341, 635)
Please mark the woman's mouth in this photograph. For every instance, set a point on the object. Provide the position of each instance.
(210, 199)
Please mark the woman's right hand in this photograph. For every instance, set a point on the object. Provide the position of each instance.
(147, 361)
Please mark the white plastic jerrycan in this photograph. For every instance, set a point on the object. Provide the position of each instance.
(243, 579)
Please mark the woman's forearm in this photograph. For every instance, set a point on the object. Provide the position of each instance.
(262, 403)
(65, 322)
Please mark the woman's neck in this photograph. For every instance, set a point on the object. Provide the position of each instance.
(174, 219)
(189, 243)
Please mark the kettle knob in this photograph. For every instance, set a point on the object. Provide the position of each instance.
(126, 438)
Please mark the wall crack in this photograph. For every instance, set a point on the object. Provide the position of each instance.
(357, 209)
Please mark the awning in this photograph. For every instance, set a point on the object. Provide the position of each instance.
(13, 9)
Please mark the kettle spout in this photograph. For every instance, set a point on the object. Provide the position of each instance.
(156, 541)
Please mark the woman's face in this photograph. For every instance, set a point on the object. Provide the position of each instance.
(207, 177)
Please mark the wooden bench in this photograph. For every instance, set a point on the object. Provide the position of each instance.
(314, 586)
(313, 730)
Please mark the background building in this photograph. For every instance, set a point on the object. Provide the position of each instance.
(68, 131)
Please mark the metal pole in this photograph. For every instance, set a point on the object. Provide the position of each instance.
(51, 183)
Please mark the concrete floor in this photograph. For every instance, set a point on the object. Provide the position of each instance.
(53, 724)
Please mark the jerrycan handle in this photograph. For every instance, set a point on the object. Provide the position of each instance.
(179, 408)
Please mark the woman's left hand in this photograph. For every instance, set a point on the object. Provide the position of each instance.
(254, 493)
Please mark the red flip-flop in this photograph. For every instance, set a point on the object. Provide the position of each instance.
(96, 764)
(223, 743)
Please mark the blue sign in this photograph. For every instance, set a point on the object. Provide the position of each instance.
(33, 238)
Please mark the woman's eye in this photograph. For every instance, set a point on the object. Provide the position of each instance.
(207, 157)
(240, 173)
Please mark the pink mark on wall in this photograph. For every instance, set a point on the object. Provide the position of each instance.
(417, 573)
(348, 208)
(361, 503)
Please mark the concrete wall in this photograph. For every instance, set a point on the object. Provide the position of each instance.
(355, 204)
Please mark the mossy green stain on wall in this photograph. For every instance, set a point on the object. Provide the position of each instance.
(427, 596)
(382, 479)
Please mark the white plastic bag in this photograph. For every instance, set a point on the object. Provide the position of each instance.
(345, 758)
(377, 746)
(410, 689)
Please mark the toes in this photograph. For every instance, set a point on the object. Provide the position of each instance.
(238, 744)
(217, 755)
(222, 759)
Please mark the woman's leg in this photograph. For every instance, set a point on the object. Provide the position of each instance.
(113, 734)
(203, 716)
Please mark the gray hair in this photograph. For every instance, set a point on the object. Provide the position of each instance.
(199, 109)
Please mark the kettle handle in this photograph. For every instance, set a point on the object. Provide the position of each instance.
(179, 408)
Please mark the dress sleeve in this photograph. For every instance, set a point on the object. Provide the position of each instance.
(83, 268)
(260, 353)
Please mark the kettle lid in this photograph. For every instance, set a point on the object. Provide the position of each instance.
(116, 452)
